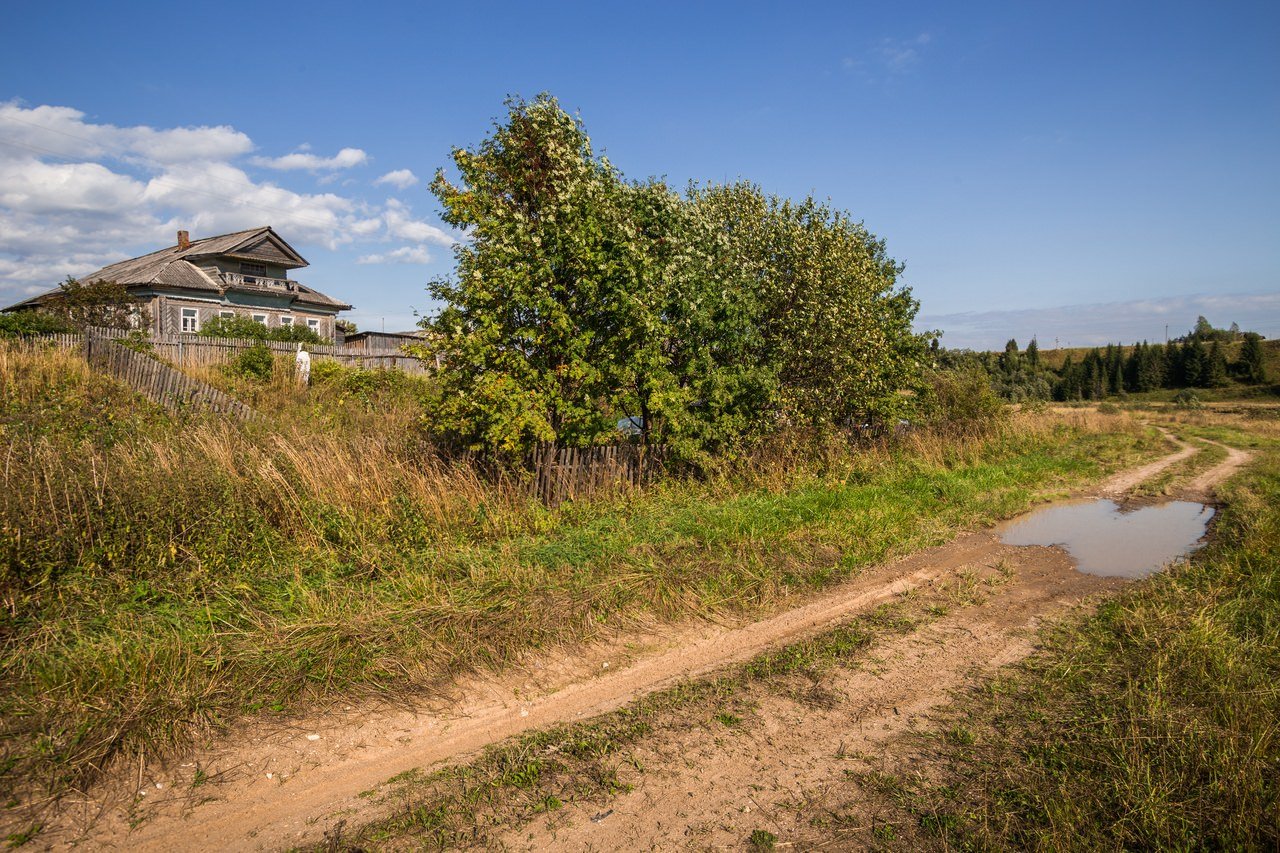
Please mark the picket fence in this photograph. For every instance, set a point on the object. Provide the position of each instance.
(157, 381)
(194, 351)
(565, 473)
(555, 474)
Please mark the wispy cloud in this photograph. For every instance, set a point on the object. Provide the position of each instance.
(1102, 323)
(402, 225)
(402, 255)
(401, 179)
(891, 56)
(344, 159)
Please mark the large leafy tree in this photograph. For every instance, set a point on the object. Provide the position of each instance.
(580, 298)
(523, 337)
(835, 324)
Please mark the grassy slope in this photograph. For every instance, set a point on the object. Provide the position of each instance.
(1150, 724)
(166, 576)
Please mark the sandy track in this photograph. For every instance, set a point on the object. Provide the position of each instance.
(709, 789)
(1127, 481)
(1204, 485)
(274, 789)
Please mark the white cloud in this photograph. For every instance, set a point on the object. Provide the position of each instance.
(33, 186)
(402, 225)
(400, 179)
(63, 132)
(76, 195)
(344, 159)
(402, 255)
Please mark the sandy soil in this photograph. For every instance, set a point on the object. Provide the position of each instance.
(710, 790)
(1202, 486)
(274, 787)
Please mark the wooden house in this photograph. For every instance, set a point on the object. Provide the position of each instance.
(242, 274)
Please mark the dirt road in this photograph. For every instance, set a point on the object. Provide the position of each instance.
(277, 788)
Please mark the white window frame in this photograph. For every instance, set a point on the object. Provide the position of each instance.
(192, 314)
(260, 318)
(224, 314)
(313, 324)
(286, 320)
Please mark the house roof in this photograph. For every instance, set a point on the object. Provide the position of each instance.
(173, 267)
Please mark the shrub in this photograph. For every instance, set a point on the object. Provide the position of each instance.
(234, 327)
(295, 334)
(31, 323)
(963, 399)
(1187, 399)
(256, 363)
(1108, 409)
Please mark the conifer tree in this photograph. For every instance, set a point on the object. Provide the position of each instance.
(1251, 367)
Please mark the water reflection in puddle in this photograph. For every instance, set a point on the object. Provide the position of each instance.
(1105, 541)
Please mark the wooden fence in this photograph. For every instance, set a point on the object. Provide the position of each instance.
(564, 473)
(195, 351)
(157, 381)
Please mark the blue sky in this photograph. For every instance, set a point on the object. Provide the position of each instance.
(1081, 171)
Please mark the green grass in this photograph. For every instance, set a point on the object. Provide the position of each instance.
(1152, 724)
(166, 577)
(590, 762)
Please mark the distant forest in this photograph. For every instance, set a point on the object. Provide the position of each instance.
(1205, 357)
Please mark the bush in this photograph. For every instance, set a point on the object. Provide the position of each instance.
(963, 399)
(1108, 409)
(295, 334)
(256, 363)
(234, 327)
(1187, 399)
(31, 323)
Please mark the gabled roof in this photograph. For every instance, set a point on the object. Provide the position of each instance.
(171, 267)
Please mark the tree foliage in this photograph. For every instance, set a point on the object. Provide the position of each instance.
(99, 304)
(27, 322)
(713, 315)
(243, 328)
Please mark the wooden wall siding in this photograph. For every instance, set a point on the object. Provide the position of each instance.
(195, 351)
(266, 250)
(159, 382)
(564, 473)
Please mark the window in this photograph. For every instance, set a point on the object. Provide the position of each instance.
(253, 269)
(226, 315)
(260, 318)
(286, 321)
(190, 320)
(313, 325)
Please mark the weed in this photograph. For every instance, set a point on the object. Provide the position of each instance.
(762, 840)
(164, 576)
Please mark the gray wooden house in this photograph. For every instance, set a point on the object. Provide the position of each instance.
(241, 274)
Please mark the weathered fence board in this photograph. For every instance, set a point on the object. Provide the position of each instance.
(565, 473)
(159, 382)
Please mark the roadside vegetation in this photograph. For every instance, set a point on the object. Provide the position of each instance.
(1148, 724)
(164, 575)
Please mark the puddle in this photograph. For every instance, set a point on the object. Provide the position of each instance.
(1105, 541)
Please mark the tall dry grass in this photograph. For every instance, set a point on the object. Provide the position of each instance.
(163, 575)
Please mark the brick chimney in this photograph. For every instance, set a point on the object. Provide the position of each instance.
(184, 241)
